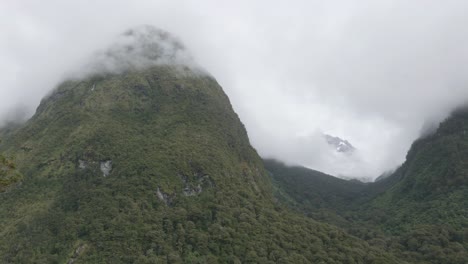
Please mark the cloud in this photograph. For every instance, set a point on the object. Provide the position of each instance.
(373, 73)
(138, 48)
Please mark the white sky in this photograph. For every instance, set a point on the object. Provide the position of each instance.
(372, 72)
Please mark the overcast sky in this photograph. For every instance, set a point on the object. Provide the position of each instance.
(371, 72)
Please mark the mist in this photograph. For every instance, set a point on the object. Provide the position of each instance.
(137, 48)
(378, 74)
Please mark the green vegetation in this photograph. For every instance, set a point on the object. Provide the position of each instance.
(312, 189)
(152, 166)
(420, 213)
(8, 174)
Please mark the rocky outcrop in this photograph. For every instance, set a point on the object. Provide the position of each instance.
(195, 185)
(77, 253)
(104, 166)
(165, 197)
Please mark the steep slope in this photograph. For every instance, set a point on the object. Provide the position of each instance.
(432, 185)
(312, 189)
(425, 202)
(151, 165)
(419, 213)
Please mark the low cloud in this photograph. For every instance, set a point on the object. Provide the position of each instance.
(138, 48)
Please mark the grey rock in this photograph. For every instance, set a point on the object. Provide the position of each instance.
(106, 167)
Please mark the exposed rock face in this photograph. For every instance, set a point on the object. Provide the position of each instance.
(166, 198)
(82, 164)
(188, 191)
(76, 254)
(195, 186)
(106, 167)
(340, 145)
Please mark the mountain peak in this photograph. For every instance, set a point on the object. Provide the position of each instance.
(340, 145)
(139, 48)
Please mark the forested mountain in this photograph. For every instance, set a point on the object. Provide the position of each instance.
(140, 158)
(420, 213)
(150, 164)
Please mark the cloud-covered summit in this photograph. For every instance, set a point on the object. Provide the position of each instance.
(140, 47)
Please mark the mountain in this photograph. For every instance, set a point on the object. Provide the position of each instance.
(143, 160)
(339, 145)
(419, 213)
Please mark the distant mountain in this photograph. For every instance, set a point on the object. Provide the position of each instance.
(148, 163)
(340, 145)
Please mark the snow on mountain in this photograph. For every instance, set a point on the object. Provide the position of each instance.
(340, 145)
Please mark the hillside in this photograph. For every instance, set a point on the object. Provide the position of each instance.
(420, 213)
(151, 165)
(312, 189)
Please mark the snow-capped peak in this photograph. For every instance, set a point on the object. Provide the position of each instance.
(340, 145)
